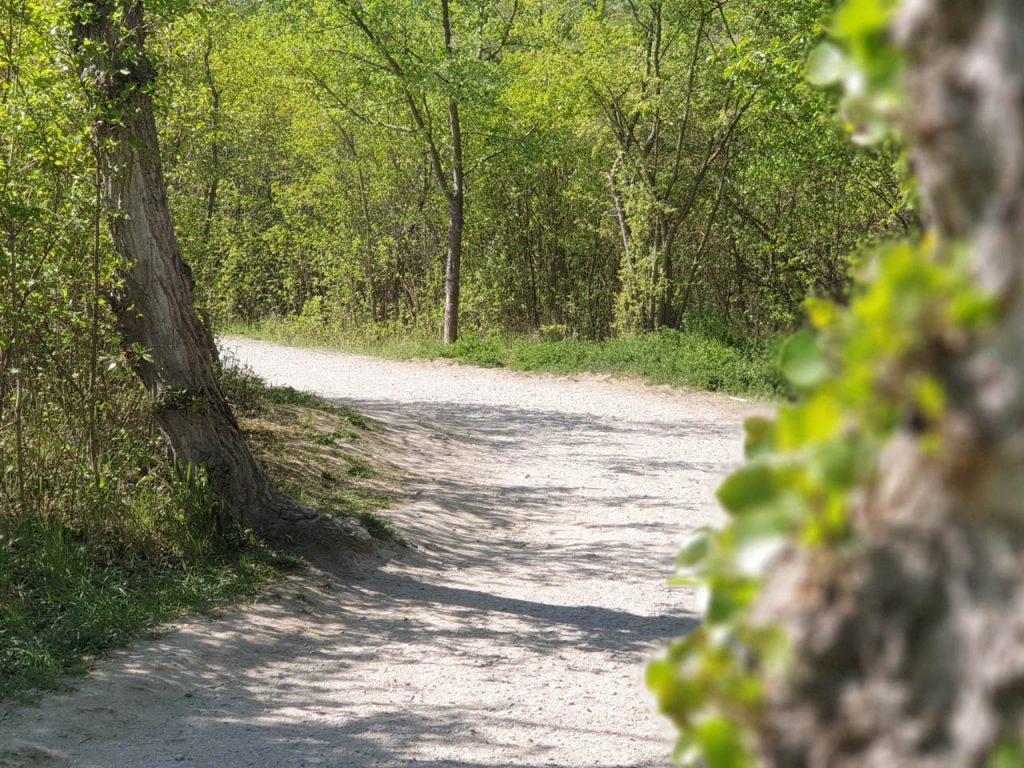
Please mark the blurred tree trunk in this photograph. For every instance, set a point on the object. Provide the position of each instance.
(910, 651)
(169, 347)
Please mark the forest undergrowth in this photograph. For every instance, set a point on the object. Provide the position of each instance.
(108, 562)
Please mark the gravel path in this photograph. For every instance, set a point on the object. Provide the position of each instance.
(545, 511)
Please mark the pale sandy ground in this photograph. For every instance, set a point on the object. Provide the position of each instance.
(546, 512)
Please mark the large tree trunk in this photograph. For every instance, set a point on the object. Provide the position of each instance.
(169, 347)
(910, 651)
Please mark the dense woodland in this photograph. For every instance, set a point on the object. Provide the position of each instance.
(590, 168)
(567, 168)
(560, 169)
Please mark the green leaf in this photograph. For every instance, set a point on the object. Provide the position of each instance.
(721, 743)
(760, 433)
(803, 362)
(1009, 754)
(825, 65)
(839, 462)
(747, 488)
(861, 17)
(677, 696)
(767, 522)
(660, 674)
(729, 598)
(693, 551)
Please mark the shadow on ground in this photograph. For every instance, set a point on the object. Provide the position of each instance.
(507, 636)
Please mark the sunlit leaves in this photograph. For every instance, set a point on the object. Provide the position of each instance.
(865, 369)
(748, 488)
(864, 64)
(802, 360)
(825, 65)
(860, 18)
(1009, 753)
(56, 388)
(289, 231)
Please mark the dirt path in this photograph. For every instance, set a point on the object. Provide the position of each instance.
(546, 514)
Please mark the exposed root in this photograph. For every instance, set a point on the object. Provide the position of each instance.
(307, 530)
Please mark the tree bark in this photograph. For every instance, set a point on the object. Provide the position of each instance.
(214, 183)
(453, 268)
(909, 651)
(456, 204)
(169, 347)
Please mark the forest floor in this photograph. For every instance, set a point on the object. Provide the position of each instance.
(543, 513)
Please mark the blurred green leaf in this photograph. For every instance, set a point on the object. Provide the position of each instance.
(747, 488)
(802, 360)
(721, 743)
(825, 65)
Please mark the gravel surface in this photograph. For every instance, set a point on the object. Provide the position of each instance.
(545, 513)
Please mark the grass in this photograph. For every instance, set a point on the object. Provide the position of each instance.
(686, 359)
(324, 465)
(77, 584)
(64, 601)
(316, 450)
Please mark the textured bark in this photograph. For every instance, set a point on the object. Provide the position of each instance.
(169, 347)
(909, 651)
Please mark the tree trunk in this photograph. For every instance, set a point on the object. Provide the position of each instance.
(453, 266)
(666, 301)
(212, 187)
(456, 203)
(910, 651)
(168, 346)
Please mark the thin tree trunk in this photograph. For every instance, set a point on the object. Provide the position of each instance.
(168, 346)
(620, 210)
(453, 267)
(456, 205)
(909, 650)
(364, 205)
(653, 297)
(453, 190)
(212, 187)
(666, 307)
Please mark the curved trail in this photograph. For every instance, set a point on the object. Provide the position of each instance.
(545, 511)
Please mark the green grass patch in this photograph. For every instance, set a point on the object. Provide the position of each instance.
(146, 548)
(249, 395)
(379, 527)
(68, 594)
(688, 359)
(314, 449)
(359, 467)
